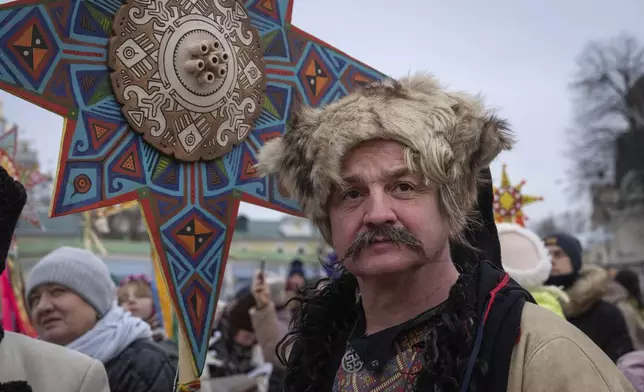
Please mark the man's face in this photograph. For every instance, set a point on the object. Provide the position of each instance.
(381, 191)
(561, 264)
(59, 315)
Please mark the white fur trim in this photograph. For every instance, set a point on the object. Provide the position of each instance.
(540, 272)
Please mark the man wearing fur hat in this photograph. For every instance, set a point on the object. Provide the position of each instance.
(586, 286)
(30, 365)
(391, 176)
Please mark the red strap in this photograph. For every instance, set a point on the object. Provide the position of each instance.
(502, 284)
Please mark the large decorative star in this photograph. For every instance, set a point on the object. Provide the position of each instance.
(54, 53)
(509, 200)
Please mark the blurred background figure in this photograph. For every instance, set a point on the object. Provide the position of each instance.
(631, 282)
(234, 355)
(135, 295)
(72, 302)
(623, 292)
(602, 322)
(632, 366)
(526, 259)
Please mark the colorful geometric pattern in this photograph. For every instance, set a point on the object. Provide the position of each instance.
(399, 374)
(103, 162)
(509, 201)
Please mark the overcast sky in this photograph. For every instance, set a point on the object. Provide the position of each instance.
(519, 54)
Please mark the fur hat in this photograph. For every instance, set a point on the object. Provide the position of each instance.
(449, 138)
(524, 255)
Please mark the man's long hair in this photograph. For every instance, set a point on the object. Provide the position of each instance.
(327, 313)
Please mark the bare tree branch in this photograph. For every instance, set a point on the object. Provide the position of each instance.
(606, 104)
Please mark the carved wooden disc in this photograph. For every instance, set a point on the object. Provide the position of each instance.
(189, 74)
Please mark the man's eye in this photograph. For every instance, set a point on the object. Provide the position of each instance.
(351, 194)
(404, 187)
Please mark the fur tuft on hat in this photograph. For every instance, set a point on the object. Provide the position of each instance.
(449, 138)
(524, 255)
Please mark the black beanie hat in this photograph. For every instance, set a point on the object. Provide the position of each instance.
(570, 245)
(12, 200)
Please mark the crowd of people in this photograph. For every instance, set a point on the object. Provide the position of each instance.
(425, 293)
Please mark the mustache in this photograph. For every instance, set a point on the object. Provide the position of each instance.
(397, 235)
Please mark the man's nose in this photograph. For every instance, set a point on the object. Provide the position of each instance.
(379, 209)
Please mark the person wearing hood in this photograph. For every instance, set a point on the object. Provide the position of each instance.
(390, 175)
(602, 322)
(619, 296)
(526, 259)
(30, 365)
(72, 302)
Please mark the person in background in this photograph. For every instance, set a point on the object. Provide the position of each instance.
(602, 322)
(631, 282)
(72, 302)
(526, 259)
(233, 352)
(30, 365)
(620, 296)
(296, 278)
(135, 295)
(270, 318)
(632, 366)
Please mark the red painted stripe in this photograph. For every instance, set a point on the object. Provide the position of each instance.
(289, 12)
(502, 284)
(325, 44)
(82, 54)
(276, 71)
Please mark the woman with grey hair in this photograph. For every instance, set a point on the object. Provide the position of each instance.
(72, 302)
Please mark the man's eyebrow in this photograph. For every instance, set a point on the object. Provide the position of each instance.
(396, 172)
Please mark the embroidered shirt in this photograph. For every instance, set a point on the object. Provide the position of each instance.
(387, 361)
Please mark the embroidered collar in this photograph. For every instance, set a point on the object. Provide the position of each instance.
(376, 349)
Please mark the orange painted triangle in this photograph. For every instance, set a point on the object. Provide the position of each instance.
(100, 131)
(250, 168)
(38, 55)
(128, 163)
(310, 69)
(25, 38)
(188, 241)
(200, 228)
(268, 4)
(320, 82)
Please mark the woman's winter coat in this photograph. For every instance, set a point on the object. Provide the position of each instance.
(30, 365)
(601, 321)
(133, 361)
(143, 366)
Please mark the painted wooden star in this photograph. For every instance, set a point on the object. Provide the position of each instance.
(509, 200)
(54, 53)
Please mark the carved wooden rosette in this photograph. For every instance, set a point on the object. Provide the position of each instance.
(189, 74)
